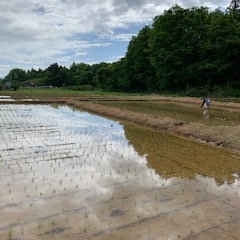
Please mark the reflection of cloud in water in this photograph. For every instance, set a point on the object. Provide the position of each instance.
(212, 186)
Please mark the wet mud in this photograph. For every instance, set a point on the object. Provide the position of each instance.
(67, 174)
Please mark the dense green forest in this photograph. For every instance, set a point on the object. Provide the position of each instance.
(191, 51)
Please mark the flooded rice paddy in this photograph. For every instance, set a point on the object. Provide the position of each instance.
(67, 174)
(184, 112)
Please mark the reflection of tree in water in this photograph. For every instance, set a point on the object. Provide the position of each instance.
(173, 156)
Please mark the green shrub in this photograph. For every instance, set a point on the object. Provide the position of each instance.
(195, 92)
(236, 93)
(225, 91)
(15, 86)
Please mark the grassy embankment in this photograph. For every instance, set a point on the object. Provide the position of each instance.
(220, 125)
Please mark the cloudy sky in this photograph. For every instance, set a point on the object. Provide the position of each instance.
(37, 33)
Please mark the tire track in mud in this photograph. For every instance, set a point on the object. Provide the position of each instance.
(164, 214)
(103, 232)
(218, 226)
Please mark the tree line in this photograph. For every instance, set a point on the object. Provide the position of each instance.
(191, 50)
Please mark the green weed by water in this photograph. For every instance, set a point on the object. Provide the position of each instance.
(10, 233)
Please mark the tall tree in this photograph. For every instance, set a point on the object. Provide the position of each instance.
(63, 76)
(16, 76)
(174, 46)
(51, 75)
(221, 51)
(81, 74)
(119, 75)
(139, 70)
(104, 78)
(234, 8)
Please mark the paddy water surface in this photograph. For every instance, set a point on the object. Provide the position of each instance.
(67, 174)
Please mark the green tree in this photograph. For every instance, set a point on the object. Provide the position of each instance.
(221, 50)
(63, 76)
(119, 76)
(81, 74)
(104, 78)
(16, 77)
(51, 75)
(175, 45)
(139, 71)
(234, 8)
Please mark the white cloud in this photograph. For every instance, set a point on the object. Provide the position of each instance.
(122, 37)
(114, 58)
(4, 69)
(38, 33)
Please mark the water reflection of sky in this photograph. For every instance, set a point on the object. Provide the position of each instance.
(85, 134)
(76, 122)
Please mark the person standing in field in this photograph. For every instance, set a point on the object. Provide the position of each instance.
(206, 102)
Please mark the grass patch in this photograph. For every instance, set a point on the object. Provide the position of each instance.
(59, 93)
